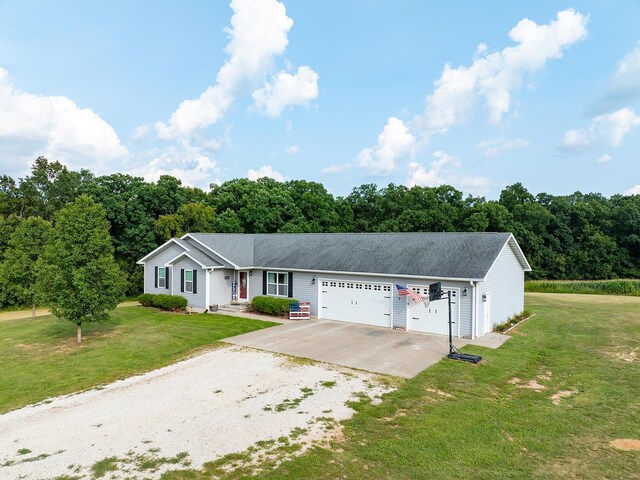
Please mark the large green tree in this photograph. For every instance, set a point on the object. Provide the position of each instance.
(77, 275)
(262, 206)
(191, 217)
(49, 187)
(129, 203)
(26, 244)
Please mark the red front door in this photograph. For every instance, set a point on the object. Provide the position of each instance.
(243, 285)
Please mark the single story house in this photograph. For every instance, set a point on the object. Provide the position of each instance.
(351, 277)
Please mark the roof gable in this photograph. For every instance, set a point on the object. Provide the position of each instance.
(513, 243)
(173, 241)
(197, 255)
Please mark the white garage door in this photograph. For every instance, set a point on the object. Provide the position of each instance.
(357, 302)
(434, 317)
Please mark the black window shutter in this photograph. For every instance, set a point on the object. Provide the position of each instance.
(195, 281)
(290, 293)
(182, 279)
(156, 284)
(264, 282)
(166, 277)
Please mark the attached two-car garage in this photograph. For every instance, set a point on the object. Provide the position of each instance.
(371, 303)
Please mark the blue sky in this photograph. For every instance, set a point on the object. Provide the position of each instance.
(474, 94)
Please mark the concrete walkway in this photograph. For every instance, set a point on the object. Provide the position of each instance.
(374, 349)
(255, 316)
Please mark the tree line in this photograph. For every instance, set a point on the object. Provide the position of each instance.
(576, 236)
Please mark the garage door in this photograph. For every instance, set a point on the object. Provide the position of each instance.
(434, 317)
(356, 302)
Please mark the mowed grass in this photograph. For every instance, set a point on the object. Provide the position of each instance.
(462, 421)
(40, 359)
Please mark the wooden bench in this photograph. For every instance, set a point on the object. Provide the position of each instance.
(300, 311)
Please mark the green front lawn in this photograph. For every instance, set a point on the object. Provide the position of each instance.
(454, 420)
(464, 421)
(40, 359)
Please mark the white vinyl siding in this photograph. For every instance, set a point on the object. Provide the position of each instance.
(159, 260)
(220, 287)
(505, 285)
(198, 299)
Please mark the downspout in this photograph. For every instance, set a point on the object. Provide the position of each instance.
(207, 286)
(474, 310)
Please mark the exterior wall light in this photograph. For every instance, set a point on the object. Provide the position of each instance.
(484, 297)
(251, 273)
(313, 280)
(465, 292)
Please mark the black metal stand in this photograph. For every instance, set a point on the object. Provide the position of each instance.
(454, 353)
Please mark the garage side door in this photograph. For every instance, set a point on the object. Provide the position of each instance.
(356, 302)
(434, 317)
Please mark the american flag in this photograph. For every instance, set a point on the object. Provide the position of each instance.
(407, 291)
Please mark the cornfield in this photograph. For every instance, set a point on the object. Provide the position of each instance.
(598, 287)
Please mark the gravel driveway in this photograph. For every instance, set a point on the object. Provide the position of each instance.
(223, 401)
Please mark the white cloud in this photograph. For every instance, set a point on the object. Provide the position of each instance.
(608, 129)
(492, 77)
(54, 126)
(140, 132)
(285, 90)
(394, 142)
(444, 169)
(604, 158)
(265, 171)
(291, 150)
(192, 166)
(624, 86)
(496, 76)
(419, 175)
(258, 33)
(334, 169)
(496, 146)
(635, 190)
(629, 66)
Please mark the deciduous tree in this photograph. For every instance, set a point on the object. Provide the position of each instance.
(26, 245)
(77, 275)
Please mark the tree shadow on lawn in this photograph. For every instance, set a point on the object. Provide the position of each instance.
(60, 329)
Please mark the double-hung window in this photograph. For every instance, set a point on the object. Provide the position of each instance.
(188, 280)
(162, 277)
(278, 284)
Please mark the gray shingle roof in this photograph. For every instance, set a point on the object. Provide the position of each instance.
(236, 247)
(202, 254)
(203, 259)
(437, 255)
